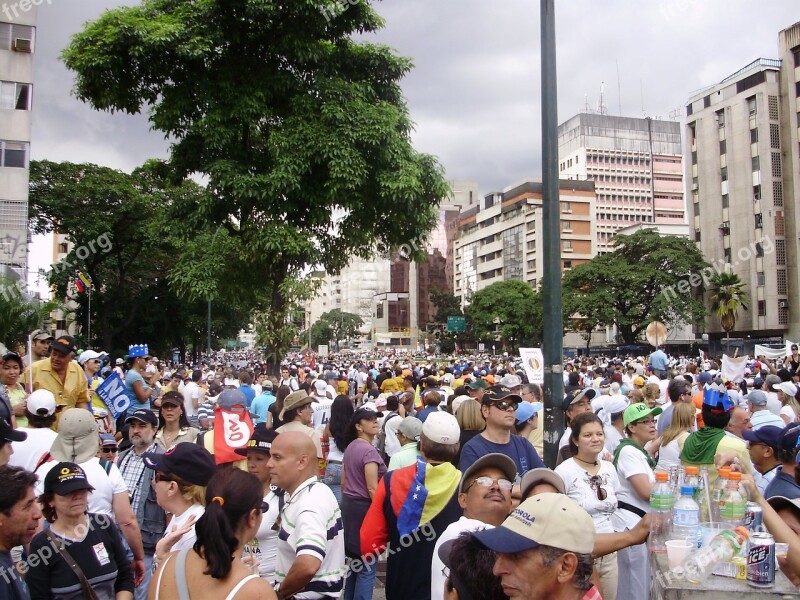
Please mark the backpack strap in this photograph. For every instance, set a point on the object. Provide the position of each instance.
(46, 457)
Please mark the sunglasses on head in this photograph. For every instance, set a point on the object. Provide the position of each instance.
(504, 404)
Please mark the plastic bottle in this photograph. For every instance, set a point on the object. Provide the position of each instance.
(692, 476)
(661, 503)
(718, 491)
(722, 548)
(678, 482)
(732, 505)
(686, 516)
(702, 495)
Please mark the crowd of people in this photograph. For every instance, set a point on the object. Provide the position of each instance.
(221, 480)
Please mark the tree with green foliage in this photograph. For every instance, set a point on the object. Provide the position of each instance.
(335, 325)
(320, 333)
(294, 122)
(727, 297)
(20, 314)
(447, 305)
(510, 309)
(118, 225)
(639, 282)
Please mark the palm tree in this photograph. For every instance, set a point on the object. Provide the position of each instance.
(727, 297)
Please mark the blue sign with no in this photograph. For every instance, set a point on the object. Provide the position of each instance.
(116, 397)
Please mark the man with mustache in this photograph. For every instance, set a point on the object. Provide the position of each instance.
(485, 496)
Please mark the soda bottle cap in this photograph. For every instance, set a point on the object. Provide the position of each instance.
(725, 472)
(742, 532)
(687, 490)
(692, 470)
(662, 476)
(735, 476)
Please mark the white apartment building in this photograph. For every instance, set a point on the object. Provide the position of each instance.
(503, 237)
(635, 164)
(17, 44)
(736, 135)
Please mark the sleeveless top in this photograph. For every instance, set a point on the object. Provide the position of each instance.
(180, 577)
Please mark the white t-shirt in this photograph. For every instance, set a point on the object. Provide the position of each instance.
(565, 438)
(190, 537)
(669, 454)
(27, 453)
(105, 484)
(613, 438)
(787, 411)
(452, 532)
(631, 462)
(392, 444)
(191, 392)
(577, 486)
(333, 450)
(264, 547)
(773, 404)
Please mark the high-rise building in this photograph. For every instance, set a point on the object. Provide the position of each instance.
(17, 44)
(739, 191)
(501, 238)
(635, 164)
(789, 115)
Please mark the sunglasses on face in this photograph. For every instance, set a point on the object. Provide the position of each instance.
(596, 483)
(111, 450)
(161, 477)
(504, 404)
(487, 482)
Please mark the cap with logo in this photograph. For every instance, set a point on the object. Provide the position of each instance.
(190, 462)
(499, 461)
(260, 441)
(65, 344)
(65, 478)
(543, 520)
(143, 415)
(496, 393)
(639, 410)
(442, 428)
(107, 440)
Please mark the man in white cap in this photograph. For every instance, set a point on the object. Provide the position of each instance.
(40, 411)
(544, 550)
(415, 504)
(485, 496)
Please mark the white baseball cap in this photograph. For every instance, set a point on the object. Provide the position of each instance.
(89, 355)
(42, 403)
(442, 428)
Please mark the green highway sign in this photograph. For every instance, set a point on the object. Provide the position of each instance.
(456, 323)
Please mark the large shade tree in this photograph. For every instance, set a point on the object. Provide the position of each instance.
(647, 277)
(510, 310)
(301, 131)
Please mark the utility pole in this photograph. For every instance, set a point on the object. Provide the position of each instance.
(551, 289)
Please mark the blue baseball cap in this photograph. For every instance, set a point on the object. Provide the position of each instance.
(526, 410)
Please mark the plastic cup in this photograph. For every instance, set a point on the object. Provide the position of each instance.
(708, 529)
(677, 551)
(781, 549)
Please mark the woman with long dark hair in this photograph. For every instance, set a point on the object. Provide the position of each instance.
(276, 407)
(212, 568)
(173, 426)
(336, 431)
(362, 469)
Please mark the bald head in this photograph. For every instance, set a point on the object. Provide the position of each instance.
(293, 460)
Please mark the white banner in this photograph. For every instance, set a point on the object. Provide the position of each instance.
(733, 368)
(533, 363)
(773, 353)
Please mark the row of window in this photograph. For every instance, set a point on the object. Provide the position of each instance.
(18, 38)
(14, 154)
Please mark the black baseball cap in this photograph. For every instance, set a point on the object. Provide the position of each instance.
(9, 434)
(143, 416)
(260, 441)
(499, 392)
(175, 398)
(578, 395)
(190, 462)
(65, 344)
(65, 478)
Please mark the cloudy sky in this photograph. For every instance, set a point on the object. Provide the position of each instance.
(474, 92)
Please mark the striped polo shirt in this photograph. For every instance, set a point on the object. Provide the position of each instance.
(311, 523)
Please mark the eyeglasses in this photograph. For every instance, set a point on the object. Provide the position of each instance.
(487, 482)
(686, 393)
(504, 404)
(645, 422)
(112, 450)
(596, 483)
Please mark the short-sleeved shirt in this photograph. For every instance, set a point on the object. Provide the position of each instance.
(782, 485)
(259, 409)
(357, 455)
(264, 546)
(632, 461)
(72, 391)
(191, 392)
(131, 377)
(105, 484)
(406, 456)
(311, 524)
(578, 487)
(518, 448)
(763, 418)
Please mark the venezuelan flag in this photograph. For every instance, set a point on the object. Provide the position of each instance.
(87, 282)
(424, 493)
(79, 285)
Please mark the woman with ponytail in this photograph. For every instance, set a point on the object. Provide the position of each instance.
(213, 568)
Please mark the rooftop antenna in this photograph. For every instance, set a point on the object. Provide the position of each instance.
(675, 114)
(619, 90)
(586, 107)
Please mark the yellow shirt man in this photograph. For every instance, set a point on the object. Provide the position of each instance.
(72, 392)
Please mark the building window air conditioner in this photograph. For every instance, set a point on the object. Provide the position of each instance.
(725, 228)
(22, 45)
(694, 187)
(783, 304)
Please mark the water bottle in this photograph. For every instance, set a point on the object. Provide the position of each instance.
(692, 476)
(661, 501)
(676, 485)
(732, 505)
(702, 495)
(686, 516)
(722, 548)
(718, 491)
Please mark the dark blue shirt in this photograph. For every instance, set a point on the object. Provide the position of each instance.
(518, 448)
(423, 414)
(783, 485)
(12, 587)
